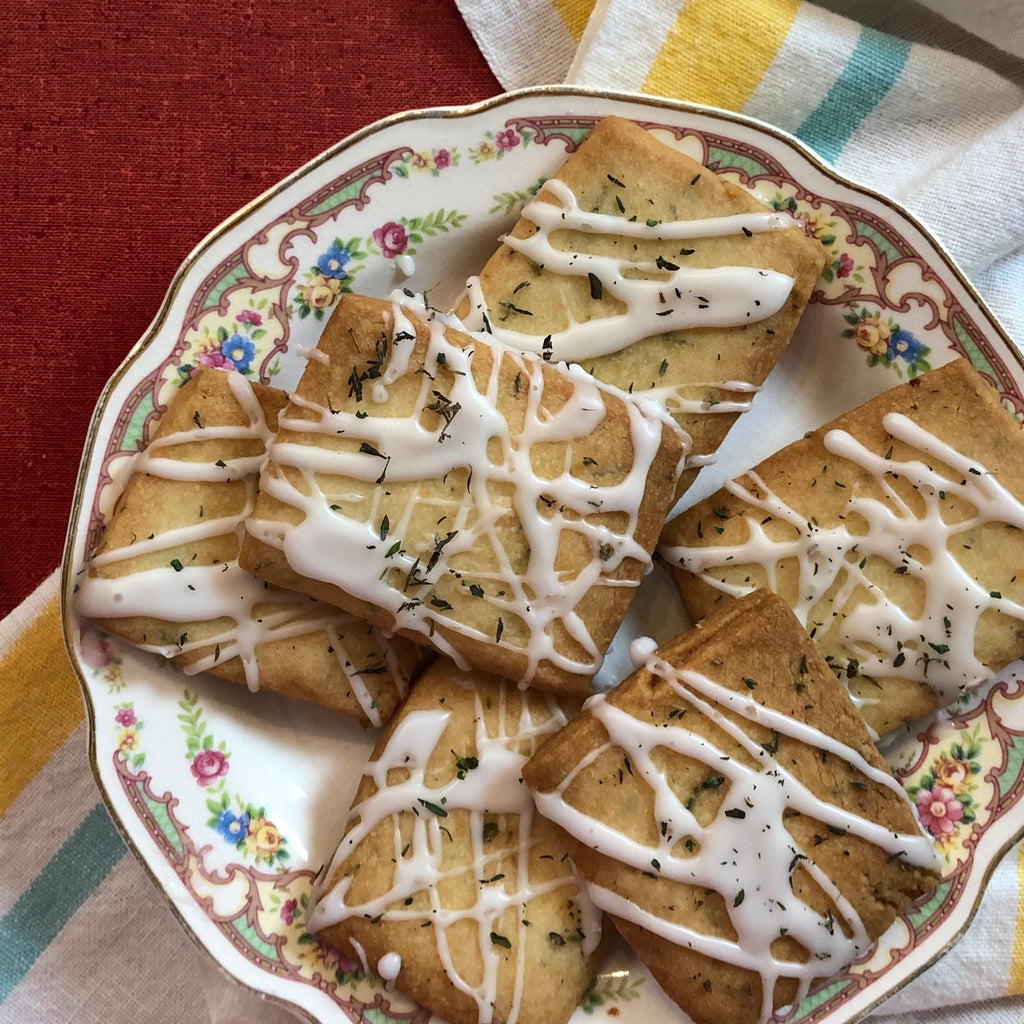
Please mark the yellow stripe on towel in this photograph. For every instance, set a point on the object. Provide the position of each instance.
(575, 14)
(1015, 979)
(40, 702)
(717, 50)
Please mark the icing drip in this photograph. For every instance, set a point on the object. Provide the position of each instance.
(748, 858)
(659, 296)
(412, 579)
(196, 593)
(938, 644)
(490, 789)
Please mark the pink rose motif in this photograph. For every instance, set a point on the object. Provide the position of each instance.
(288, 910)
(507, 139)
(442, 159)
(125, 717)
(392, 239)
(939, 810)
(209, 766)
(249, 316)
(215, 359)
(844, 265)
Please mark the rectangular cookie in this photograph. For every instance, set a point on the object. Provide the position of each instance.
(495, 507)
(654, 274)
(726, 806)
(896, 533)
(165, 576)
(447, 882)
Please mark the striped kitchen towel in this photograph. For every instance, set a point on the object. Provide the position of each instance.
(895, 110)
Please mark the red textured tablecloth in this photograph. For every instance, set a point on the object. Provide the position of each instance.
(129, 131)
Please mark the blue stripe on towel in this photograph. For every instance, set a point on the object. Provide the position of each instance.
(873, 68)
(67, 881)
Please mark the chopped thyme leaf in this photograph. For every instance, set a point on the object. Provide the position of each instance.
(663, 264)
(476, 590)
(751, 683)
(464, 765)
(433, 808)
(739, 898)
(615, 181)
(596, 288)
(500, 629)
(197, 419)
(511, 307)
(500, 940)
(385, 526)
(176, 565)
(695, 178)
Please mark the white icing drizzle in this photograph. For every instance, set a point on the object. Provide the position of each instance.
(195, 593)
(670, 397)
(401, 449)
(492, 789)
(937, 645)
(659, 296)
(389, 966)
(747, 857)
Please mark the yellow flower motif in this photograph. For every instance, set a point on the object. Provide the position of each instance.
(422, 162)
(485, 151)
(872, 335)
(207, 341)
(816, 226)
(319, 292)
(953, 773)
(263, 839)
(128, 739)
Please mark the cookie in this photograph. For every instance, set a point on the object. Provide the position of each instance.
(726, 806)
(656, 275)
(165, 576)
(895, 532)
(492, 506)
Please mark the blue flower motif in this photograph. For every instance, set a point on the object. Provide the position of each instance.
(233, 827)
(240, 350)
(903, 345)
(332, 263)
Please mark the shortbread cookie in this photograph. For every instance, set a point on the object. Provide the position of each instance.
(165, 576)
(725, 805)
(446, 881)
(656, 275)
(483, 502)
(896, 533)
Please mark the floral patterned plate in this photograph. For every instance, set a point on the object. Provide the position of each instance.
(234, 800)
